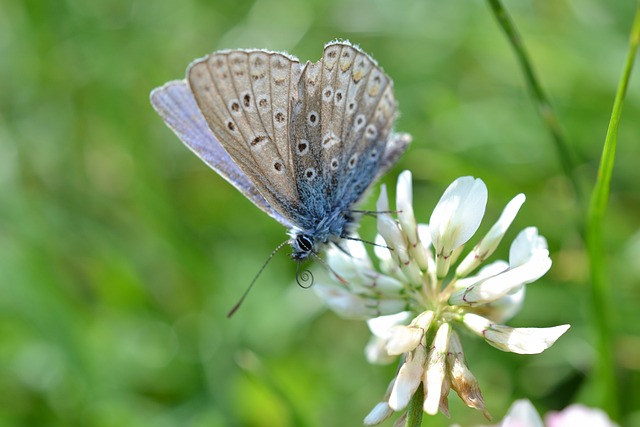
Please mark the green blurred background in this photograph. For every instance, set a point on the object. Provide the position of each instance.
(121, 253)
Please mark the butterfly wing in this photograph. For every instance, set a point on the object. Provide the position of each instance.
(396, 146)
(343, 116)
(175, 103)
(245, 98)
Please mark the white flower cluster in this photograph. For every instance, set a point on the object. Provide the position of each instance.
(414, 298)
(523, 414)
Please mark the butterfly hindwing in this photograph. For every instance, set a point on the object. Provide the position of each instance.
(396, 146)
(306, 134)
(357, 114)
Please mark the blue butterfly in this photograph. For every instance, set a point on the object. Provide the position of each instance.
(302, 142)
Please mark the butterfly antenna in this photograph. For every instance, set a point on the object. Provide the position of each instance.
(246, 292)
(367, 242)
(373, 213)
(323, 262)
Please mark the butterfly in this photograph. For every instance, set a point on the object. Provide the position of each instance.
(302, 142)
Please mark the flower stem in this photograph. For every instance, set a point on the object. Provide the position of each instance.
(605, 380)
(414, 410)
(542, 102)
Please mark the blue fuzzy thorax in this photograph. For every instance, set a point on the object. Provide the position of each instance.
(330, 229)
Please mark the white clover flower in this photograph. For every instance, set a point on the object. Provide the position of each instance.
(578, 415)
(523, 414)
(414, 299)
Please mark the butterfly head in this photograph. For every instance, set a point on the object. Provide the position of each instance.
(304, 245)
(333, 227)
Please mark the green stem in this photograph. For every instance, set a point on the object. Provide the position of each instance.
(605, 380)
(414, 411)
(542, 103)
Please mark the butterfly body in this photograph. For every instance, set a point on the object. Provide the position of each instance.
(302, 142)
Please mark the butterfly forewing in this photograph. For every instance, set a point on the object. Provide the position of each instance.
(231, 88)
(174, 102)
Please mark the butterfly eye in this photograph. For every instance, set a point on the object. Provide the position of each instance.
(304, 243)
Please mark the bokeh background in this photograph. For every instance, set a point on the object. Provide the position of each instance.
(121, 253)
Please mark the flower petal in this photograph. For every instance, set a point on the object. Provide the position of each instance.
(376, 352)
(502, 284)
(456, 217)
(378, 414)
(579, 415)
(382, 326)
(351, 306)
(349, 265)
(485, 272)
(408, 379)
(404, 205)
(343, 302)
(387, 227)
(505, 308)
(525, 246)
(524, 340)
(382, 410)
(422, 250)
(425, 236)
(404, 339)
(523, 414)
(515, 340)
(424, 319)
(435, 373)
(490, 242)
(387, 264)
(462, 380)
